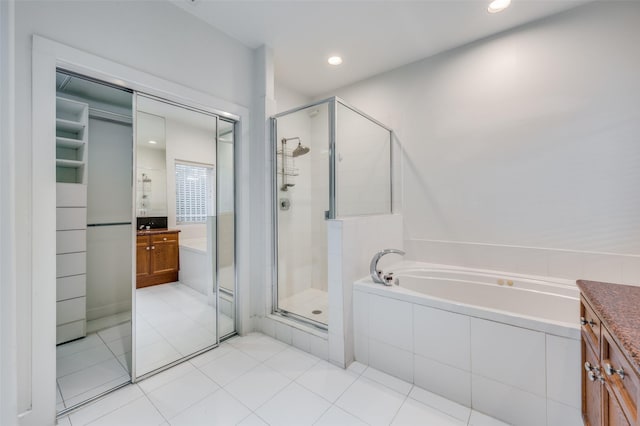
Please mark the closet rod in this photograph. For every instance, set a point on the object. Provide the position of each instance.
(109, 224)
(108, 115)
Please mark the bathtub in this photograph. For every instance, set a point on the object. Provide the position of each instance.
(195, 270)
(504, 344)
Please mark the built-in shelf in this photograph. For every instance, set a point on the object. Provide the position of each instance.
(69, 143)
(69, 126)
(72, 120)
(70, 110)
(71, 164)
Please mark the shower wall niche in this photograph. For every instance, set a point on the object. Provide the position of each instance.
(330, 161)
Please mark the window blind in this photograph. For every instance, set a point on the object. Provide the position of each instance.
(192, 192)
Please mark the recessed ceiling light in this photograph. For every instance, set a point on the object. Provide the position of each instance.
(335, 60)
(498, 6)
(153, 142)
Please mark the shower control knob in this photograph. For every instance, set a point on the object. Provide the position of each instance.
(285, 204)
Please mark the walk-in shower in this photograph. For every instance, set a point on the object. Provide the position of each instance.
(339, 167)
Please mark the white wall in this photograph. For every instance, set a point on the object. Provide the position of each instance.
(152, 163)
(8, 397)
(130, 33)
(521, 151)
(287, 98)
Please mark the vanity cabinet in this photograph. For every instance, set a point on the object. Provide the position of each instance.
(157, 257)
(610, 320)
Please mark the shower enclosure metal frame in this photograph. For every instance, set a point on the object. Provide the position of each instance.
(332, 212)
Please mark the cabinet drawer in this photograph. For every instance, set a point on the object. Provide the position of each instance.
(140, 240)
(71, 331)
(71, 195)
(71, 241)
(620, 376)
(71, 218)
(71, 310)
(71, 287)
(173, 236)
(590, 325)
(71, 264)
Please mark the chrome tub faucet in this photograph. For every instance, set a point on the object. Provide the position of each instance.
(376, 275)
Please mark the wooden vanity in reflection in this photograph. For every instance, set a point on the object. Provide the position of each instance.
(157, 257)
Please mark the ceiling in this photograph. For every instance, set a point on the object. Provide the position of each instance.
(371, 36)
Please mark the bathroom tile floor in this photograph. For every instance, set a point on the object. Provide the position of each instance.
(256, 380)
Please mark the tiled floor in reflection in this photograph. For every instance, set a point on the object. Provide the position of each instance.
(256, 380)
(87, 367)
(172, 321)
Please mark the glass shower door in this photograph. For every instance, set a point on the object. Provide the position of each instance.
(301, 151)
(331, 161)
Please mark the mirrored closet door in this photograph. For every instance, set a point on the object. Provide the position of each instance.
(183, 246)
(94, 238)
(145, 235)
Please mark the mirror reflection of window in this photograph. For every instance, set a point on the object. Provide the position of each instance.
(195, 197)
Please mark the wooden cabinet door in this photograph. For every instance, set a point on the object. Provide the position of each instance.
(143, 258)
(591, 390)
(164, 256)
(613, 414)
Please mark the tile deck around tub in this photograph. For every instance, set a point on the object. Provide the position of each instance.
(256, 380)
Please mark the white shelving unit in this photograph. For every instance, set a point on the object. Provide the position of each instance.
(72, 119)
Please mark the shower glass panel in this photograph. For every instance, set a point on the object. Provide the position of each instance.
(363, 158)
(330, 161)
(301, 152)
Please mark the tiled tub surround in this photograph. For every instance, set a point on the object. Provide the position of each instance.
(508, 351)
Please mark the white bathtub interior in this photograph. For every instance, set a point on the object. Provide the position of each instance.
(507, 350)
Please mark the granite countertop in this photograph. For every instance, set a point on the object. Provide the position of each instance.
(619, 309)
(155, 231)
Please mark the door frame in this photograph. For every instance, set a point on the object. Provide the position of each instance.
(47, 56)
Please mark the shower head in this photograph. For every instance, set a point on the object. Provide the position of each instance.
(300, 150)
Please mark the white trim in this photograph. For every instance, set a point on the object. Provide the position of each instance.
(8, 354)
(47, 55)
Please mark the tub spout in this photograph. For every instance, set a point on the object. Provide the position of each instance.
(376, 275)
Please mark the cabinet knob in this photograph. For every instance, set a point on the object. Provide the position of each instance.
(153, 247)
(583, 321)
(593, 377)
(147, 247)
(164, 239)
(610, 370)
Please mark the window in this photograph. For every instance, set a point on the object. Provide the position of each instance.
(194, 192)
